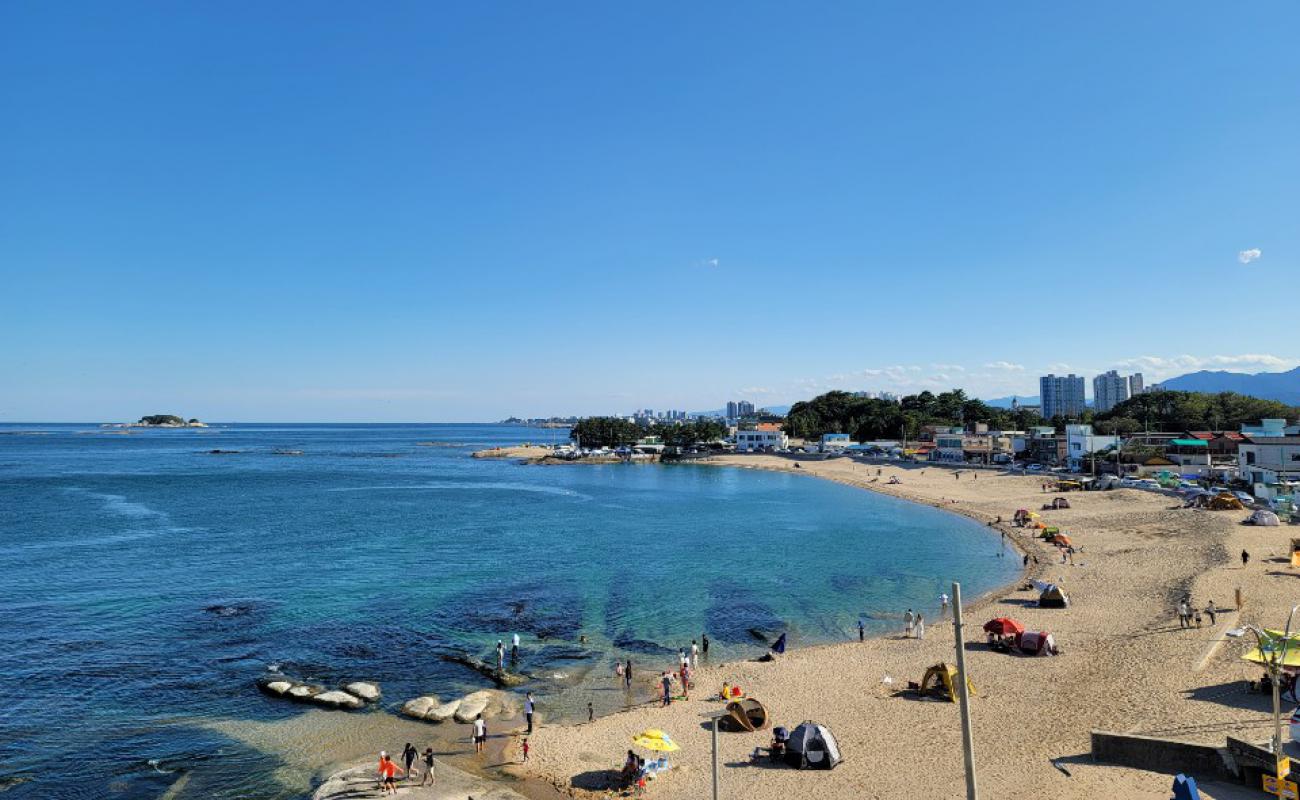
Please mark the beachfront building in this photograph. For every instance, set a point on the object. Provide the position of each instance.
(1268, 457)
(835, 442)
(1270, 428)
(1061, 396)
(1081, 441)
(949, 445)
(758, 441)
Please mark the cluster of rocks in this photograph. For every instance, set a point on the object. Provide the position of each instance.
(487, 703)
(350, 696)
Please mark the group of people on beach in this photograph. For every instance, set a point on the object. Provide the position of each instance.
(914, 623)
(1188, 616)
(501, 651)
(388, 769)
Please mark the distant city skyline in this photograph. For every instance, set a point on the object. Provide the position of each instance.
(459, 212)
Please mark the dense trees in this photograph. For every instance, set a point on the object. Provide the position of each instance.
(616, 431)
(1190, 411)
(606, 432)
(865, 419)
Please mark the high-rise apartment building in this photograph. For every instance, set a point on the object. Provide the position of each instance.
(1135, 386)
(1062, 396)
(733, 409)
(745, 408)
(1109, 389)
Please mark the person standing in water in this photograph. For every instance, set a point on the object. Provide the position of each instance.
(704, 644)
(514, 648)
(501, 654)
(920, 626)
(908, 620)
(627, 674)
(862, 632)
(695, 655)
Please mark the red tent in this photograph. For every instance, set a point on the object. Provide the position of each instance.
(1003, 626)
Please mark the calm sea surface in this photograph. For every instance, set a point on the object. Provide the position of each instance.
(147, 583)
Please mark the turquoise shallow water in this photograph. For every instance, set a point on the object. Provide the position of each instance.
(147, 581)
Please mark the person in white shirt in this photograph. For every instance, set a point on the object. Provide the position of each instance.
(514, 648)
(480, 734)
(695, 655)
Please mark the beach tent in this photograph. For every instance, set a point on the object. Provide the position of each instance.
(1060, 502)
(1262, 517)
(1053, 597)
(1036, 643)
(1003, 626)
(746, 714)
(812, 746)
(940, 681)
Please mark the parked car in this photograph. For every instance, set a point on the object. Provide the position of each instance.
(1244, 497)
(1035, 467)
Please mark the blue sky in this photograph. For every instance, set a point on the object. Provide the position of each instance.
(461, 211)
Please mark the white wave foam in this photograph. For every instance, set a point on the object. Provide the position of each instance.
(467, 486)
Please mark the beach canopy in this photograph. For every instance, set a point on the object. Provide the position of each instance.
(655, 739)
(746, 714)
(1003, 626)
(1273, 642)
(812, 746)
(1263, 517)
(1053, 596)
(941, 680)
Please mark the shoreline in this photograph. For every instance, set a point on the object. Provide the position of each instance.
(1143, 517)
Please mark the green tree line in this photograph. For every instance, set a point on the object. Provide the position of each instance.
(1190, 411)
(616, 432)
(865, 418)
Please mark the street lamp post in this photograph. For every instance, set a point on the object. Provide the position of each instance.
(714, 717)
(1274, 661)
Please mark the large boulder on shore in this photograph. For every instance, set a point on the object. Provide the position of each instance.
(275, 688)
(419, 707)
(443, 712)
(365, 690)
(472, 705)
(304, 691)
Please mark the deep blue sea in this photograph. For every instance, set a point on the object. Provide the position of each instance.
(146, 582)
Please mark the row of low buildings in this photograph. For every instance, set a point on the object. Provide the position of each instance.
(1265, 456)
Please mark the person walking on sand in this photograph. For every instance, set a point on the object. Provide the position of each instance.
(1184, 614)
(530, 706)
(501, 654)
(909, 619)
(427, 780)
(1245, 558)
(667, 681)
(387, 774)
(480, 734)
(409, 754)
(686, 681)
(1212, 612)
(523, 748)
(920, 626)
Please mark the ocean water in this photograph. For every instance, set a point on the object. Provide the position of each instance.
(147, 583)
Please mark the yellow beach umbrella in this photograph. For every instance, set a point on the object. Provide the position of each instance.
(655, 739)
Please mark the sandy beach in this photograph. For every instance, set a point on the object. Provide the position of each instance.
(1127, 665)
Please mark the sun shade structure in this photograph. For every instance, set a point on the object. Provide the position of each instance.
(1036, 643)
(746, 714)
(812, 746)
(941, 680)
(1262, 517)
(1003, 626)
(655, 739)
(1273, 641)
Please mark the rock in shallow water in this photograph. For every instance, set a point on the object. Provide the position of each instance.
(443, 712)
(363, 689)
(419, 707)
(336, 698)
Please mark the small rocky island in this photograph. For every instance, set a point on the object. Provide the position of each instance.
(164, 421)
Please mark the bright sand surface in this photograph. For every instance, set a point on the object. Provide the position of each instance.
(1127, 665)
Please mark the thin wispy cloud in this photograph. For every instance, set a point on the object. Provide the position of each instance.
(711, 263)
(1160, 367)
(1247, 256)
(1005, 366)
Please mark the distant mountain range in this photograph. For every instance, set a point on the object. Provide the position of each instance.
(1281, 386)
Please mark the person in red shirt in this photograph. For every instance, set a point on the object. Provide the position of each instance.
(388, 770)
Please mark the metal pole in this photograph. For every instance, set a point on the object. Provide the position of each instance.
(715, 758)
(967, 739)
